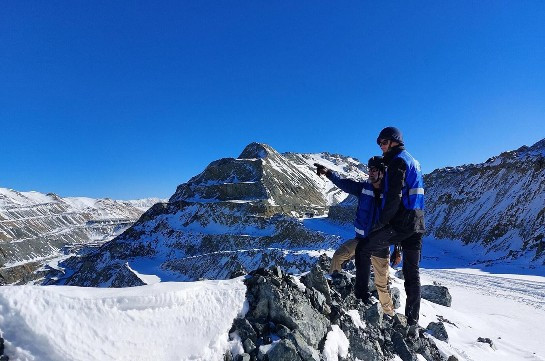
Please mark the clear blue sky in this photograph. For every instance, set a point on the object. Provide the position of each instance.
(128, 99)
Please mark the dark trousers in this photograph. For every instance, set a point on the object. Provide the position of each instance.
(363, 270)
(376, 242)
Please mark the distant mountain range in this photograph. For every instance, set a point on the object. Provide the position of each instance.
(36, 227)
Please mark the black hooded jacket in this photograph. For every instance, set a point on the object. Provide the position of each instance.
(394, 213)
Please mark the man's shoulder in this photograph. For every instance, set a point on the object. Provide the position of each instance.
(367, 184)
(396, 163)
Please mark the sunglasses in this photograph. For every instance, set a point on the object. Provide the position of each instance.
(373, 169)
(383, 142)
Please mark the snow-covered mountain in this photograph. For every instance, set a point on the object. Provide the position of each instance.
(35, 227)
(499, 203)
(237, 215)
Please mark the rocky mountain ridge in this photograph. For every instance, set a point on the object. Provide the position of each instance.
(239, 214)
(499, 204)
(35, 227)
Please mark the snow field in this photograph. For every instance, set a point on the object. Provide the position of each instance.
(164, 321)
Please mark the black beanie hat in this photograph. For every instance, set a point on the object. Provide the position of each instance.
(390, 133)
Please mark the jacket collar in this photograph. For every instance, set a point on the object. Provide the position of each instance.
(389, 155)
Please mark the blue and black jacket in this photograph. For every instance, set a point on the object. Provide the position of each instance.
(368, 202)
(403, 194)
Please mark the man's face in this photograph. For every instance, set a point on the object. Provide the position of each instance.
(384, 145)
(375, 175)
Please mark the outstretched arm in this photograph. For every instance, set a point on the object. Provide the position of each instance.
(345, 184)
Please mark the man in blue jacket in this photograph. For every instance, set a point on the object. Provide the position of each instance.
(402, 216)
(369, 203)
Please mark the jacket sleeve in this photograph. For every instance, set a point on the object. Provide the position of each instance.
(396, 178)
(346, 185)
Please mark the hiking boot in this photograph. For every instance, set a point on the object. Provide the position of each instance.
(414, 331)
(389, 318)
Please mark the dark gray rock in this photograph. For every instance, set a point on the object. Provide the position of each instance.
(437, 294)
(399, 274)
(452, 358)
(361, 345)
(282, 331)
(306, 352)
(284, 350)
(249, 346)
(488, 341)
(243, 357)
(4, 358)
(341, 283)
(396, 297)
(290, 308)
(437, 330)
(228, 356)
(374, 314)
(244, 329)
(444, 320)
(401, 348)
(1, 346)
(281, 310)
(316, 279)
(318, 300)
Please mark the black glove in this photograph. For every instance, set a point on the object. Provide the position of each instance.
(395, 257)
(321, 169)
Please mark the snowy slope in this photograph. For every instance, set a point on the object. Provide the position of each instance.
(35, 227)
(499, 204)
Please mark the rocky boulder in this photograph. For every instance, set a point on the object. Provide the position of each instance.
(437, 330)
(437, 294)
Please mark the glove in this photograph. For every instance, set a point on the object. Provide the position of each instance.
(321, 169)
(395, 257)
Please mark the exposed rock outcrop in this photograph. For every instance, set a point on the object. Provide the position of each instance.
(287, 320)
(437, 294)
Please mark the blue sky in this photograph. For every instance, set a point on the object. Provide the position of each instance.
(128, 99)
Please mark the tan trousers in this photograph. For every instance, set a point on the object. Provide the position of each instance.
(347, 251)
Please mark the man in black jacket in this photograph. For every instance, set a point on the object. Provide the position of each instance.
(402, 216)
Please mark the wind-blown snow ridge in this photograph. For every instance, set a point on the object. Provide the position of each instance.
(165, 321)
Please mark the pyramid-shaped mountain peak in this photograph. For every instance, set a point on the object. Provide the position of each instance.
(260, 175)
(257, 150)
